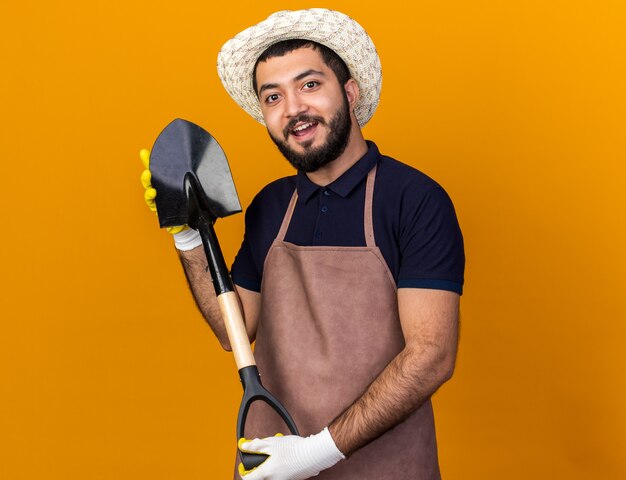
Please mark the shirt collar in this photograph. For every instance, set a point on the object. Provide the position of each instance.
(346, 182)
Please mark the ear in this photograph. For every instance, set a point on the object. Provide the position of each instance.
(352, 92)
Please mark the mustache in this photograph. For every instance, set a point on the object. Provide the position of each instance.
(301, 118)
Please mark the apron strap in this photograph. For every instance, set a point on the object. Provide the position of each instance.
(287, 218)
(369, 200)
(368, 222)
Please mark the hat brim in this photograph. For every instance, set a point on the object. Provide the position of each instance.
(335, 30)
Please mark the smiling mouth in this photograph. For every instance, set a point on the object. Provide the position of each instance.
(302, 129)
(302, 126)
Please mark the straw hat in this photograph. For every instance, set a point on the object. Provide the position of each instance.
(340, 33)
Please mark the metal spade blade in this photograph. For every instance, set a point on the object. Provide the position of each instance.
(191, 176)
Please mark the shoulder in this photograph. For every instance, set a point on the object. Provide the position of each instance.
(275, 192)
(424, 225)
(271, 201)
(399, 175)
(407, 185)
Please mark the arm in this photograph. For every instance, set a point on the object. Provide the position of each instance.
(429, 320)
(195, 265)
(196, 270)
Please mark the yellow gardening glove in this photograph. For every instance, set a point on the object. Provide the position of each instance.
(150, 193)
(291, 457)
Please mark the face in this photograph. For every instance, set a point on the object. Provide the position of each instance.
(306, 110)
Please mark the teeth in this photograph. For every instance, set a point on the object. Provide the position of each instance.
(302, 127)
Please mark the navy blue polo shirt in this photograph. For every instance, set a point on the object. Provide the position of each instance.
(415, 225)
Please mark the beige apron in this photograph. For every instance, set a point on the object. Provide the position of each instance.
(329, 325)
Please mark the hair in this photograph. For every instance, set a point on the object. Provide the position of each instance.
(330, 58)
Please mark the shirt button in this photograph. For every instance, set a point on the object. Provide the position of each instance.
(324, 209)
(327, 193)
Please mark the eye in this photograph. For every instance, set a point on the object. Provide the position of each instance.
(311, 84)
(271, 98)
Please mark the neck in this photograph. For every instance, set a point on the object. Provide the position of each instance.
(356, 148)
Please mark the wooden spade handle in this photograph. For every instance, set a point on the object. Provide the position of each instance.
(236, 329)
(226, 296)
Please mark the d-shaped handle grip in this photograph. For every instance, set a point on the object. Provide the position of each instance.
(253, 390)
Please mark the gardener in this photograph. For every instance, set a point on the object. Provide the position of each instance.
(349, 273)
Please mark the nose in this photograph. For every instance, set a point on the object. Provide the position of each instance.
(294, 105)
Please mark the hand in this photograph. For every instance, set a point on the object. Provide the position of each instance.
(185, 238)
(150, 193)
(291, 457)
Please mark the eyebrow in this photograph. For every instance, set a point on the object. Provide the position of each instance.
(300, 76)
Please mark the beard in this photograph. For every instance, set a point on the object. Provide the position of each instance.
(314, 158)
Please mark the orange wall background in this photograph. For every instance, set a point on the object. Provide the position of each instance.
(107, 371)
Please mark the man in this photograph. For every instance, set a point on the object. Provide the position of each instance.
(349, 273)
